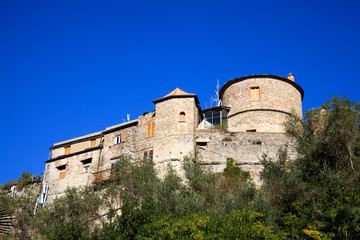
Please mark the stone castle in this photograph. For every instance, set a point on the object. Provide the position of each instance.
(253, 109)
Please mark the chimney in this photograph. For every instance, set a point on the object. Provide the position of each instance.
(291, 77)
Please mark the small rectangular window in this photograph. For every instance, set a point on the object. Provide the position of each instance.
(118, 139)
(86, 168)
(62, 175)
(251, 130)
(67, 150)
(62, 170)
(113, 161)
(148, 155)
(255, 93)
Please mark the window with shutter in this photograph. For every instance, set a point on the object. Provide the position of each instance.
(62, 175)
(255, 93)
(123, 137)
(150, 129)
(62, 170)
(67, 150)
(182, 117)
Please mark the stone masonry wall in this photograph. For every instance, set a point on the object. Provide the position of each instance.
(136, 142)
(174, 139)
(274, 94)
(112, 150)
(262, 121)
(214, 147)
(74, 172)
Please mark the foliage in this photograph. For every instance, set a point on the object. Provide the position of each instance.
(242, 224)
(220, 127)
(317, 194)
(25, 179)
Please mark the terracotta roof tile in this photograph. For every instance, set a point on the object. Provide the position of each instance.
(177, 92)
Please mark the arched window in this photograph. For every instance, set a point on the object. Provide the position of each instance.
(182, 117)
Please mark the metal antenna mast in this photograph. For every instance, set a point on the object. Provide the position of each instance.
(217, 91)
(217, 98)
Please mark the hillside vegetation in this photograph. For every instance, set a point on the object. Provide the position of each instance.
(315, 196)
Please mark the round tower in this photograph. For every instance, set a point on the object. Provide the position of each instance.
(261, 103)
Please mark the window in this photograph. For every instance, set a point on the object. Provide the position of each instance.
(86, 165)
(182, 117)
(62, 170)
(212, 119)
(92, 143)
(86, 168)
(62, 175)
(120, 138)
(148, 155)
(255, 93)
(67, 150)
(251, 130)
(113, 161)
(150, 129)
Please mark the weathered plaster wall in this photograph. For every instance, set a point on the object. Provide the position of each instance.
(75, 147)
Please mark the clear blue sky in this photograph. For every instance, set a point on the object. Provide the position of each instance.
(70, 68)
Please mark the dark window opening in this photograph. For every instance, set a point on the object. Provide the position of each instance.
(202, 144)
(148, 155)
(251, 130)
(86, 161)
(62, 167)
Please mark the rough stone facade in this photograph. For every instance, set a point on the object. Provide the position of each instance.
(277, 98)
(214, 147)
(177, 128)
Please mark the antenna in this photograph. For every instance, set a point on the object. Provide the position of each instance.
(212, 99)
(217, 99)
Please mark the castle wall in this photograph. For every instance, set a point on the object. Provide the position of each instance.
(262, 121)
(113, 150)
(76, 146)
(174, 135)
(174, 139)
(144, 143)
(136, 144)
(74, 174)
(214, 147)
(274, 95)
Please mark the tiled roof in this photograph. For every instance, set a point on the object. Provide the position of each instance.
(177, 92)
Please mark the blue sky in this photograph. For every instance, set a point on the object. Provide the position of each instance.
(70, 68)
